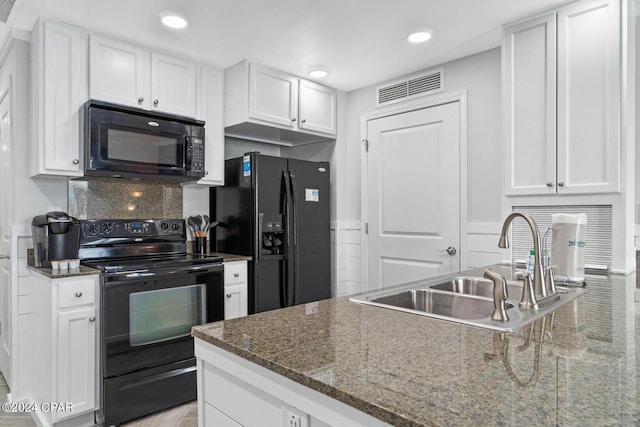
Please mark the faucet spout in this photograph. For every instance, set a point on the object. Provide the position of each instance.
(538, 275)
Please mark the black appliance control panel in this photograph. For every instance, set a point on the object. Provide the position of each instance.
(197, 155)
(131, 228)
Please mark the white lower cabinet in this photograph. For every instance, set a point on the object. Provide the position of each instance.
(65, 357)
(76, 358)
(229, 384)
(235, 289)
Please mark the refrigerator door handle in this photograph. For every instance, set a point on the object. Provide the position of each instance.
(294, 233)
(286, 210)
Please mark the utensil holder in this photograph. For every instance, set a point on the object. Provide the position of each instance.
(201, 245)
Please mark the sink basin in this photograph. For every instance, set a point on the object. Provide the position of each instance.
(465, 299)
(476, 286)
(444, 304)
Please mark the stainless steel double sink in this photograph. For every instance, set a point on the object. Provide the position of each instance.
(465, 299)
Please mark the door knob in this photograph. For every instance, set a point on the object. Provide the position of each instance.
(451, 250)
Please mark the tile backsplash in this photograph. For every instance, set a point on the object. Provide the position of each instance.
(119, 198)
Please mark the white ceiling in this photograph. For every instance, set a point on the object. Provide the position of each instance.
(360, 42)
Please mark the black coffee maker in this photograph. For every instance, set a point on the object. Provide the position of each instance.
(56, 236)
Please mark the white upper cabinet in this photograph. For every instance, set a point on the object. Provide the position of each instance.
(529, 73)
(210, 110)
(173, 85)
(119, 72)
(267, 105)
(134, 76)
(589, 97)
(273, 96)
(317, 107)
(59, 90)
(561, 88)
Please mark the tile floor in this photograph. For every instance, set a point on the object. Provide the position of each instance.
(181, 416)
(17, 419)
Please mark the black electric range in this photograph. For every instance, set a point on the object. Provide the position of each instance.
(152, 293)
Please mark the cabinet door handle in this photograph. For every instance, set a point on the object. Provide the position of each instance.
(561, 184)
(140, 100)
(78, 294)
(92, 319)
(155, 102)
(236, 274)
(228, 295)
(303, 121)
(294, 119)
(549, 184)
(75, 161)
(206, 173)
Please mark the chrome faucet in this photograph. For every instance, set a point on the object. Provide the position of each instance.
(541, 287)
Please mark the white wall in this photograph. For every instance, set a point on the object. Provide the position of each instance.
(478, 75)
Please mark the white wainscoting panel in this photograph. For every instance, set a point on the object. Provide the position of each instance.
(348, 258)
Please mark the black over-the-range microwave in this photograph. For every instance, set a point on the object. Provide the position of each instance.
(129, 142)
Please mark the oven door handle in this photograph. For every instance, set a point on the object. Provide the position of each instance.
(133, 275)
(136, 274)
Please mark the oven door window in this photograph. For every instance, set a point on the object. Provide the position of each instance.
(165, 314)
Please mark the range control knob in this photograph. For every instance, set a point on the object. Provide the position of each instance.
(107, 227)
(93, 228)
(175, 226)
(164, 226)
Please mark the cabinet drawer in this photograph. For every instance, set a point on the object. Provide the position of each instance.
(213, 417)
(235, 272)
(76, 293)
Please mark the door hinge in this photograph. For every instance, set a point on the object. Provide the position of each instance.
(366, 144)
(366, 228)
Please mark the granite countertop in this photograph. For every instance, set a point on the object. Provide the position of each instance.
(411, 370)
(86, 271)
(230, 257)
(58, 274)
(226, 257)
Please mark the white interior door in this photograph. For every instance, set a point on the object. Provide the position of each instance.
(413, 195)
(5, 231)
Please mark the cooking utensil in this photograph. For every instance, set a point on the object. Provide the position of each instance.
(206, 222)
(192, 224)
(197, 220)
(212, 225)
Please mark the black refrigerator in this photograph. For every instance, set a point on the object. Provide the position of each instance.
(276, 210)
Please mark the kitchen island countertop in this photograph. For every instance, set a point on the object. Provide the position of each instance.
(578, 368)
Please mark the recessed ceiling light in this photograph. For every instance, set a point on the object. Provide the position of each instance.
(419, 36)
(318, 74)
(173, 20)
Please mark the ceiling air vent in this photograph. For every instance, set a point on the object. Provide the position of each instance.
(5, 9)
(410, 88)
